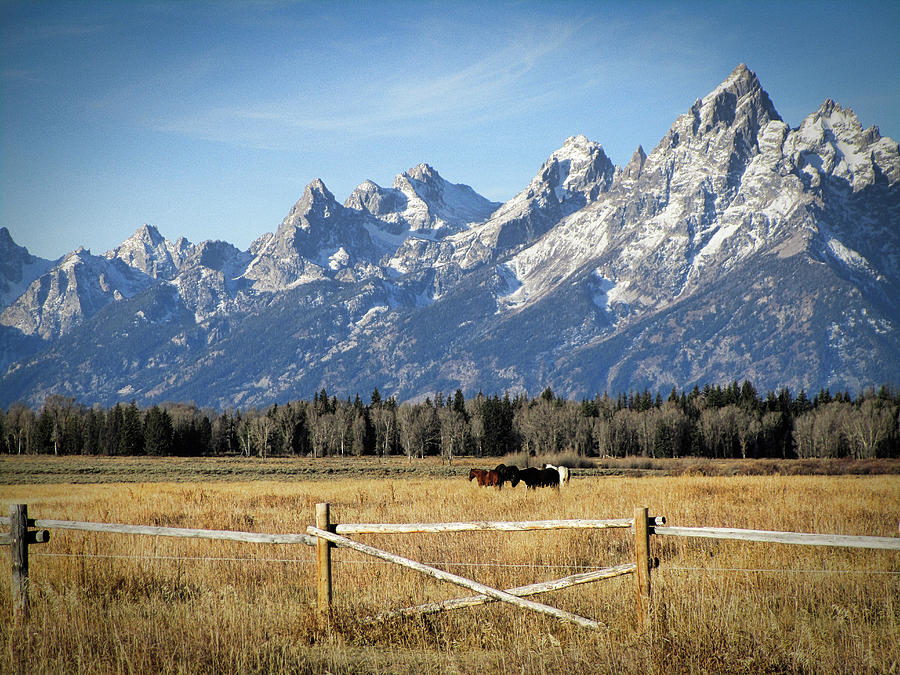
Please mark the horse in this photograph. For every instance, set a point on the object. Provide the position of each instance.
(533, 478)
(508, 474)
(549, 478)
(563, 473)
(477, 474)
(490, 478)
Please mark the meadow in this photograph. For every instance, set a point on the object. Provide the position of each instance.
(104, 603)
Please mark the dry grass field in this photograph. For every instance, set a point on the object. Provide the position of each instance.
(104, 603)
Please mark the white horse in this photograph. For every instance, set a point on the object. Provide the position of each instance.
(563, 473)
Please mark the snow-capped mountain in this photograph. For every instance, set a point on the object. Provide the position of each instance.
(318, 239)
(572, 177)
(151, 253)
(18, 268)
(209, 280)
(72, 291)
(738, 248)
(421, 202)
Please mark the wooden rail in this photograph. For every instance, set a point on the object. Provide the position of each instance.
(773, 537)
(476, 526)
(181, 532)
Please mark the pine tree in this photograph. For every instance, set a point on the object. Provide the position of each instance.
(459, 404)
(158, 432)
(132, 441)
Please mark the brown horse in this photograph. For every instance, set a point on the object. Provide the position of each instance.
(492, 479)
(477, 474)
(485, 478)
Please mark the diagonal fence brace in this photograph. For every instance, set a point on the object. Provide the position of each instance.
(518, 591)
(497, 594)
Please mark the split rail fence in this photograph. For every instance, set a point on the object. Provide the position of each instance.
(325, 535)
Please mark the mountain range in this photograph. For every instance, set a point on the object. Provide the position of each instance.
(738, 248)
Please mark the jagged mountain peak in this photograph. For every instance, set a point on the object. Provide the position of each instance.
(358, 199)
(844, 124)
(427, 202)
(317, 204)
(148, 233)
(215, 254)
(72, 290)
(423, 172)
(78, 256)
(317, 193)
(18, 268)
(6, 240)
(739, 101)
(577, 148)
(11, 251)
(572, 176)
(740, 82)
(576, 143)
(578, 166)
(317, 188)
(831, 141)
(151, 253)
(421, 181)
(636, 163)
(383, 203)
(833, 115)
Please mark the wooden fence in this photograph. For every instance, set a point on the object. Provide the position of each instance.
(325, 535)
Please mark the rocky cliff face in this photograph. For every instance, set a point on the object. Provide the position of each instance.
(737, 248)
(18, 268)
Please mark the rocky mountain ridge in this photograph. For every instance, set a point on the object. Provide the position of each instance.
(737, 248)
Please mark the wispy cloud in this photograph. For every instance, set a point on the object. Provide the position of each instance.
(22, 75)
(23, 34)
(501, 82)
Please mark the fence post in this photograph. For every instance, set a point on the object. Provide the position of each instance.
(18, 534)
(323, 555)
(642, 560)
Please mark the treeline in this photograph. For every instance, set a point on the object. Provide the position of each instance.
(731, 421)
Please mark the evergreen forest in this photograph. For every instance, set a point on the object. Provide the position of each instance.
(732, 421)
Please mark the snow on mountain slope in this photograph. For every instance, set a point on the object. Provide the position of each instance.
(209, 280)
(151, 253)
(728, 180)
(71, 292)
(421, 202)
(18, 268)
(572, 176)
(318, 239)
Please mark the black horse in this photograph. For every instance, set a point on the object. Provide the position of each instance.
(549, 478)
(508, 474)
(535, 478)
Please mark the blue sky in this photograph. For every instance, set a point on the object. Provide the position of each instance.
(208, 119)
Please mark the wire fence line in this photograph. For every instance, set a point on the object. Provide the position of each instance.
(666, 568)
(311, 561)
(674, 568)
(658, 529)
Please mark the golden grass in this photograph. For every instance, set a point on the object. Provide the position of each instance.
(119, 603)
